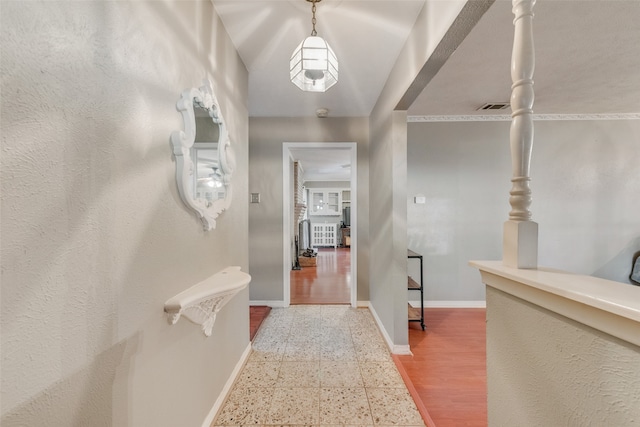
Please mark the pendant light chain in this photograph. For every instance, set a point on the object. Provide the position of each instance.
(313, 19)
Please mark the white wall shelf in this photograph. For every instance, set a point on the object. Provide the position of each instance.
(202, 302)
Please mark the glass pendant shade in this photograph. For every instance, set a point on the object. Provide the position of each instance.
(313, 66)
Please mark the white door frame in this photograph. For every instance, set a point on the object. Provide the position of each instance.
(286, 212)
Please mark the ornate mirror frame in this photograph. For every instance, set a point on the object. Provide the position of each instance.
(183, 141)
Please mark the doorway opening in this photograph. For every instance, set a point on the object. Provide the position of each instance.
(330, 215)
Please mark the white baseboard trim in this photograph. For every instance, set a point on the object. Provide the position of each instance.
(402, 350)
(395, 349)
(383, 331)
(227, 387)
(270, 303)
(363, 304)
(450, 304)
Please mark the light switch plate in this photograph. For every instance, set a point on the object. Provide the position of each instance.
(255, 197)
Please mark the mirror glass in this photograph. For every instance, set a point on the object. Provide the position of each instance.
(208, 181)
(203, 154)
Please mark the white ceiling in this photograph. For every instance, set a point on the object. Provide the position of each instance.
(587, 58)
(324, 164)
(366, 36)
(587, 61)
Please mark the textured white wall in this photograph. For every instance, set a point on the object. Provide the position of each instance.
(94, 235)
(584, 176)
(546, 370)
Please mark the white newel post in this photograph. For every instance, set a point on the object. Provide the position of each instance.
(520, 239)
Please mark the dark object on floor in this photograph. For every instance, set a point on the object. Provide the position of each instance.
(308, 258)
(309, 253)
(296, 265)
(635, 269)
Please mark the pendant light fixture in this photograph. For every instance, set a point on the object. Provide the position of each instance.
(313, 66)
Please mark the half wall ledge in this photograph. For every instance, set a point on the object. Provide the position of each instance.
(202, 302)
(605, 305)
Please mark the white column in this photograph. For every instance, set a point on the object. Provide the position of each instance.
(520, 239)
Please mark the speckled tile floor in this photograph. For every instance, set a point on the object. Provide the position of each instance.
(319, 366)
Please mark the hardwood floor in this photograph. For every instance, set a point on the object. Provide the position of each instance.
(327, 283)
(257, 314)
(448, 366)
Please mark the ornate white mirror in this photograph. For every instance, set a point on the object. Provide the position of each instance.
(203, 153)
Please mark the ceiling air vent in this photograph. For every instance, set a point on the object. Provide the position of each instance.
(494, 106)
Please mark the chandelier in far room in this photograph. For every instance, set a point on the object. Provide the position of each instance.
(313, 66)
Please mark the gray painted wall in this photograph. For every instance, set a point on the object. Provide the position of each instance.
(584, 176)
(95, 237)
(388, 159)
(558, 373)
(266, 136)
(388, 287)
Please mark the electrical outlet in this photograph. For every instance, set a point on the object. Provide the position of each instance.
(255, 197)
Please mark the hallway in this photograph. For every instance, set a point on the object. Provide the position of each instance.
(447, 372)
(319, 365)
